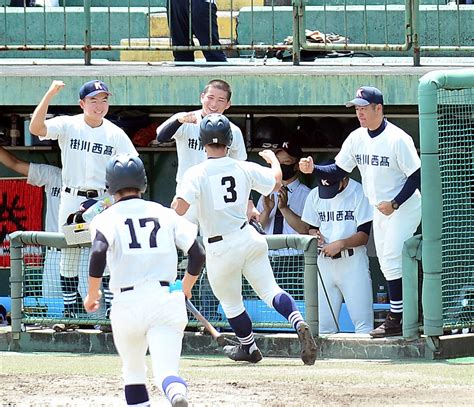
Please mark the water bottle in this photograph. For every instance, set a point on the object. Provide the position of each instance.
(14, 131)
(382, 297)
(176, 286)
(98, 207)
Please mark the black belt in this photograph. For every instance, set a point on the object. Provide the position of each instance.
(218, 238)
(350, 252)
(89, 193)
(162, 283)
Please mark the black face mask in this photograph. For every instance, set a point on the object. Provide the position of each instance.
(288, 171)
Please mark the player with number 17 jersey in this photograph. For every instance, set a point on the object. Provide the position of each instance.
(139, 230)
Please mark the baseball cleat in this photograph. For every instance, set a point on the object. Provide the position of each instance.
(179, 401)
(308, 345)
(391, 327)
(238, 353)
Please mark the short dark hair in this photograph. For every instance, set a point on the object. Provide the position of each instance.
(219, 84)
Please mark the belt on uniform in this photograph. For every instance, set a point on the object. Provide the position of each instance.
(88, 193)
(130, 288)
(218, 238)
(342, 253)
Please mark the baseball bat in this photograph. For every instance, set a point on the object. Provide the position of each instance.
(220, 339)
(258, 227)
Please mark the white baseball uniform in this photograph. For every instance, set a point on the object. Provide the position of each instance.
(220, 188)
(385, 162)
(85, 152)
(346, 277)
(49, 176)
(142, 238)
(189, 149)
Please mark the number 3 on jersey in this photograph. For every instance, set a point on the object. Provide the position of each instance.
(225, 191)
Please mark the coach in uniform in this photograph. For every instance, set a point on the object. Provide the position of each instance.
(219, 187)
(390, 170)
(340, 216)
(87, 141)
(138, 240)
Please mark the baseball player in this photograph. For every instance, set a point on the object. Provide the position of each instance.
(87, 141)
(184, 128)
(48, 176)
(138, 240)
(219, 187)
(340, 217)
(390, 169)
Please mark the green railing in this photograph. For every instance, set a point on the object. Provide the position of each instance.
(446, 106)
(36, 295)
(412, 28)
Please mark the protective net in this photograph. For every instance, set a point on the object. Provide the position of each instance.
(456, 154)
(288, 268)
(55, 283)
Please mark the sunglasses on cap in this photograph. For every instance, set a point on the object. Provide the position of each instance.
(269, 145)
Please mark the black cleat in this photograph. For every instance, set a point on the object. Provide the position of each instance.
(391, 327)
(308, 345)
(238, 353)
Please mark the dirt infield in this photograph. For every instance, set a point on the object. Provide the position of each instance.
(94, 380)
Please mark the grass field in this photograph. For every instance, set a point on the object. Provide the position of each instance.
(41, 379)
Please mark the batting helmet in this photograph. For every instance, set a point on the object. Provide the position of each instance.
(125, 171)
(215, 129)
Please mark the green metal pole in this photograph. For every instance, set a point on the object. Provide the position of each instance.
(298, 26)
(87, 32)
(16, 284)
(311, 286)
(411, 256)
(431, 206)
(415, 24)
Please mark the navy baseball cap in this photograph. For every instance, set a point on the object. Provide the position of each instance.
(93, 88)
(365, 96)
(329, 187)
(292, 149)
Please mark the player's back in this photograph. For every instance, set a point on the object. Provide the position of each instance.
(141, 238)
(222, 186)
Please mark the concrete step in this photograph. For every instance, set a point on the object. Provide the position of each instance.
(157, 55)
(226, 21)
(338, 346)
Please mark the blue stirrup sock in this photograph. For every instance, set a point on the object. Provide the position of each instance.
(286, 306)
(242, 327)
(395, 296)
(174, 386)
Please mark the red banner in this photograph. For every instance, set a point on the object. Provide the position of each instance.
(21, 208)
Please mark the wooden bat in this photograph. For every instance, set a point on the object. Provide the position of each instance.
(220, 339)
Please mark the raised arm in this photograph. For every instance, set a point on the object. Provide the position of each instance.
(37, 124)
(270, 157)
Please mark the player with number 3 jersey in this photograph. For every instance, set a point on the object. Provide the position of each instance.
(220, 187)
